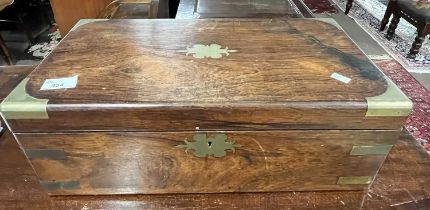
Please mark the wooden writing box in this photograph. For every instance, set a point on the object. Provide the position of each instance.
(206, 106)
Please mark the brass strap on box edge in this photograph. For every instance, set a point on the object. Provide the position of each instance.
(370, 150)
(392, 103)
(353, 180)
(20, 105)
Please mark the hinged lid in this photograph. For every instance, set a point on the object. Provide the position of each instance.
(165, 75)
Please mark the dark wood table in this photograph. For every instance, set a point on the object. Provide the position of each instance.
(348, 6)
(401, 184)
(189, 9)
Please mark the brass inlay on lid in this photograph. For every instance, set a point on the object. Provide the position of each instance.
(204, 146)
(371, 150)
(20, 105)
(389, 104)
(208, 51)
(352, 180)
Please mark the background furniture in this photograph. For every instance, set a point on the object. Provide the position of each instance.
(136, 9)
(173, 8)
(240, 9)
(28, 17)
(68, 13)
(416, 13)
(348, 6)
(4, 51)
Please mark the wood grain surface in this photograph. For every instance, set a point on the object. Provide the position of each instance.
(400, 184)
(149, 163)
(276, 62)
(278, 77)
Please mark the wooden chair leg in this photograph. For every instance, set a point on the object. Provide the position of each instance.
(390, 9)
(348, 6)
(393, 25)
(5, 52)
(419, 39)
(22, 26)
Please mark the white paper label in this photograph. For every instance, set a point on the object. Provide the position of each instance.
(380, 57)
(60, 83)
(341, 78)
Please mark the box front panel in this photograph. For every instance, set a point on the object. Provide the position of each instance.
(206, 162)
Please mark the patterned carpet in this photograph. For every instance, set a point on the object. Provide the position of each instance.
(418, 123)
(42, 49)
(320, 6)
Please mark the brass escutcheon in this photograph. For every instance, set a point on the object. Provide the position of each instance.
(204, 146)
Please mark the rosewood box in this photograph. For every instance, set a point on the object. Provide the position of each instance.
(206, 106)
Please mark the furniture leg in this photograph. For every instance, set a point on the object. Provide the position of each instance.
(387, 15)
(348, 6)
(5, 52)
(393, 25)
(26, 29)
(419, 39)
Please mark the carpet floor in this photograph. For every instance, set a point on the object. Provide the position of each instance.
(320, 6)
(418, 123)
(42, 49)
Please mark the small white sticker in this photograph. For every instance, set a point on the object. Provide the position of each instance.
(341, 78)
(380, 57)
(60, 83)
